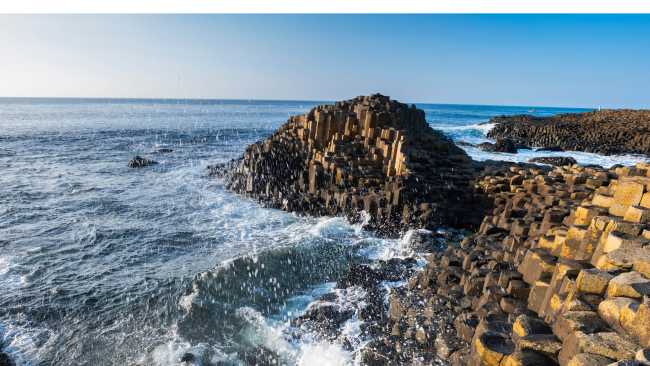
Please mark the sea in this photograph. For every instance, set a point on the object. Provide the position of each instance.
(101, 264)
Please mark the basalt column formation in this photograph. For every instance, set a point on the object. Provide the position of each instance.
(622, 131)
(559, 273)
(369, 154)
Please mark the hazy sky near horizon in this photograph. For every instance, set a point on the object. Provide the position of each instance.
(549, 60)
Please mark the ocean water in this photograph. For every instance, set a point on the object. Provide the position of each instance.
(105, 265)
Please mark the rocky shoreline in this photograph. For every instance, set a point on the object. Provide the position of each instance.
(605, 132)
(557, 272)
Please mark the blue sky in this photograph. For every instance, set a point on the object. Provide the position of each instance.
(550, 60)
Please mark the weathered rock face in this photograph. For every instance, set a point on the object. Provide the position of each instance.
(605, 132)
(369, 154)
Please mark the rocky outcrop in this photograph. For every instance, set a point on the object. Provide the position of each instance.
(369, 154)
(140, 162)
(559, 273)
(604, 132)
(501, 145)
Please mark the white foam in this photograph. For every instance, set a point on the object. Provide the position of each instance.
(483, 127)
(332, 227)
(187, 301)
(584, 158)
(323, 354)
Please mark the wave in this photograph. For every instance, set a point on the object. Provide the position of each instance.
(483, 127)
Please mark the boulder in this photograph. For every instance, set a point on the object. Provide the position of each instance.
(501, 145)
(606, 344)
(630, 284)
(593, 281)
(140, 162)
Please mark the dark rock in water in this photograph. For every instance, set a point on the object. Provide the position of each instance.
(140, 162)
(325, 317)
(5, 360)
(188, 357)
(554, 160)
(604, 131)
(164, 150)
(464, 143)
(501, 145)
(369, 154)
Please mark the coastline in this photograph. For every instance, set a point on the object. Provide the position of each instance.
(463, 306)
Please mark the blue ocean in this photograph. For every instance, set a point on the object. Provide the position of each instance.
(101, 264)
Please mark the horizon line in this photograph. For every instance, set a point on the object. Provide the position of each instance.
(308, 101)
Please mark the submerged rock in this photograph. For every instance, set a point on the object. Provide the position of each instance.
(369, 154)
(604, 131)
(554, 160)
(140, 162)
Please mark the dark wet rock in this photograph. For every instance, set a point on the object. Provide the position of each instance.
(554, 160)
(374, 309)
(604, 131)
(394, 269)
(5, 360)
(324, 317)
(222, 169)
(501, 145)
(164, 150)
(369, 154)
(360, 275)
(140, 162)
(367, 276)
